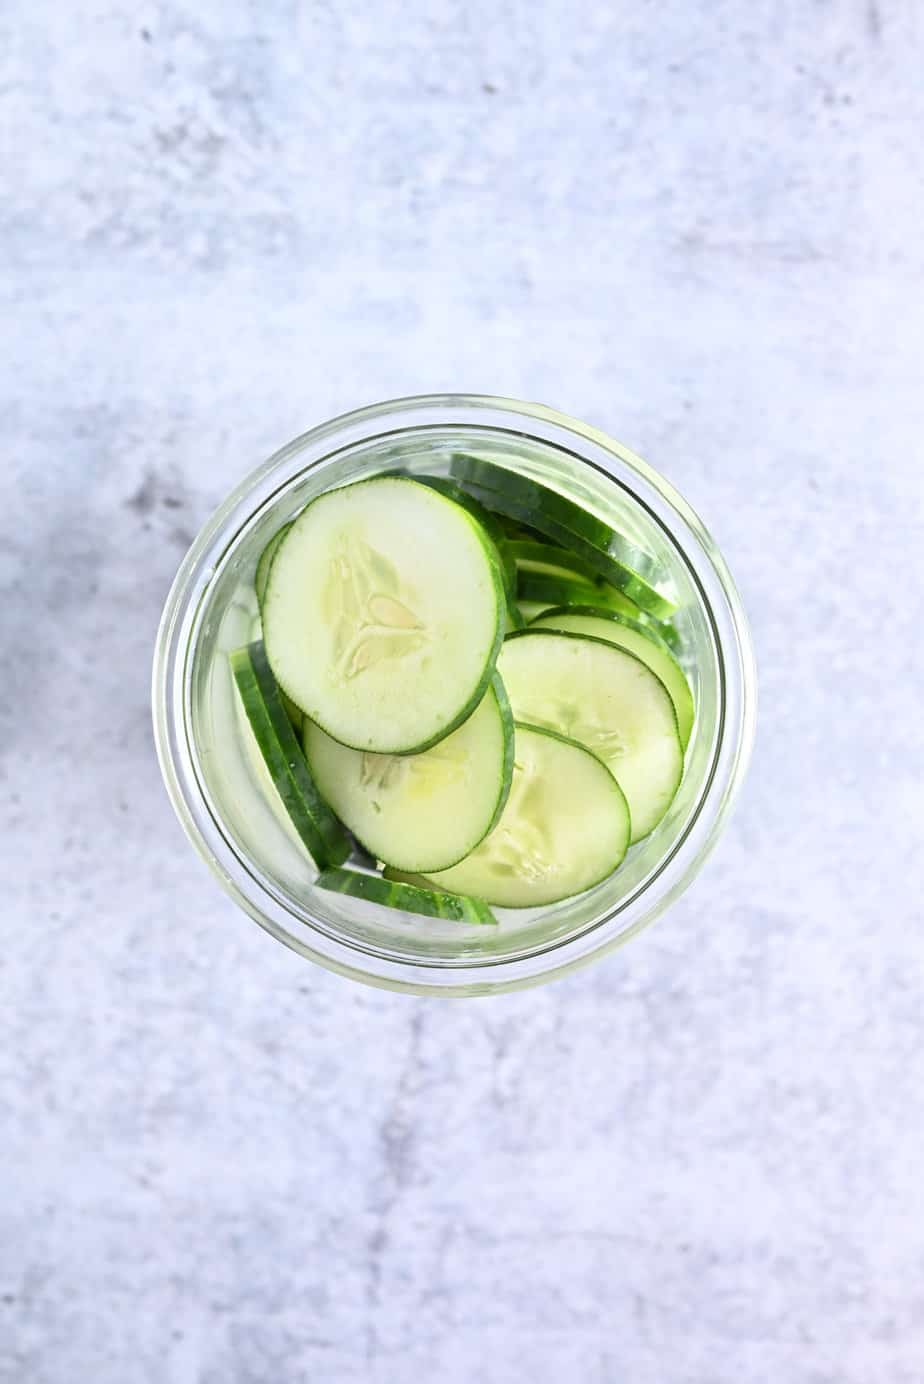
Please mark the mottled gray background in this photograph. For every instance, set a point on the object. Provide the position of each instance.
(698, 225)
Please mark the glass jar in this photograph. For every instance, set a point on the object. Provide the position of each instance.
(220, 790)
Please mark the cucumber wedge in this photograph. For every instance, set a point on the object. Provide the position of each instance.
(607, 560)
(564, 829)
(638, 639)
(318, 828)
(384, 613)
(608, 700)
(407, 897)
(426, 811)
(266, 561)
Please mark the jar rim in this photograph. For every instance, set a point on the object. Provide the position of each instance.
(587, 445)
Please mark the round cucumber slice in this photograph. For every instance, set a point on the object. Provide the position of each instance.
(613, 569)
(488, 521)
(293, 712)
(638, 639)
(608, 700)
(318, 828)
(421, 812)
(383, 614)
(572, 590)
(550, 559)
(265, 562)
(665, 630)
(407, 897)
(543, 500)
(554, 590)
(557, 564)
(564, 829)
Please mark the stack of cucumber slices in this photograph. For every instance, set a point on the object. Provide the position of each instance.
(468, 681)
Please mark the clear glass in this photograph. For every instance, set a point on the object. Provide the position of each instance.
(216, 780)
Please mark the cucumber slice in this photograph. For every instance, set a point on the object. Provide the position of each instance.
(665, 630)
(565, 828)
(638, 639)
(613, 569)
(265, 562)
(542, 500)
(488, 521)
(384, 614)
(552, 590)
(318, 828)
(408, 897)
(515, 619)
(426, 811)
(549, 559)
(293, 712)
(571, 590)
(608, 700)
(508, 569)
(546, 560)
(517, 532)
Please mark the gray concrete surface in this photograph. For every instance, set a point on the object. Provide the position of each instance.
(698, 226)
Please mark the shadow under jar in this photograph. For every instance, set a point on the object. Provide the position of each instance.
(221, 791)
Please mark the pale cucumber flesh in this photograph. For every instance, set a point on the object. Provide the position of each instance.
(564, 829)
(608, 700)
(425, 811)
(638, 640)
(383, 615)
(488, 521)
